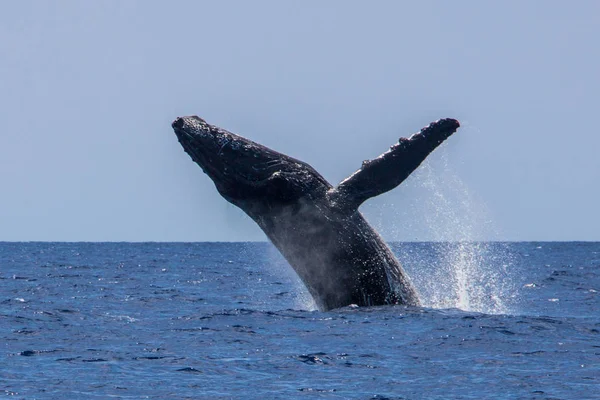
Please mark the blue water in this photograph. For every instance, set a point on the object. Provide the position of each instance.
(230, 320)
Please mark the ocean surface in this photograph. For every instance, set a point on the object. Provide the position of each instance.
(231, 320)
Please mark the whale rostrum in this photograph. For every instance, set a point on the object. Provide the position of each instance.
(317, 227)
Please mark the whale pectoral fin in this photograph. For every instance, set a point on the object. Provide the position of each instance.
(390, 169)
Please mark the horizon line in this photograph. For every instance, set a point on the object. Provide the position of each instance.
(268, 242)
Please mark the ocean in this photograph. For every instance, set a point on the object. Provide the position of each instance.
(231, 320)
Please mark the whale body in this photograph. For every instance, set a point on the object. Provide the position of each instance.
(316, 226)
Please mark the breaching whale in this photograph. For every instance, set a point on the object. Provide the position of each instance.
(317, 227)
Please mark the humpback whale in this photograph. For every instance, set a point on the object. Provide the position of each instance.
(316, 226)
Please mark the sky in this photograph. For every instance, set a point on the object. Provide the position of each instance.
(88, 90)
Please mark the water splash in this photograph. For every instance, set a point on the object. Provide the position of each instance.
(300, 298)
(455, 270)
(468, 274)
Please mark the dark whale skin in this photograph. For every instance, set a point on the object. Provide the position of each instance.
(340, 258)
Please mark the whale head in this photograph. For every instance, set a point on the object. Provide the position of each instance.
(245, 172)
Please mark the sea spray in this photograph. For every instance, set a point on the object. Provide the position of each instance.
(300, 298)
(467, 274)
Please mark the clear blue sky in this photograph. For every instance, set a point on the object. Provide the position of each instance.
(88, 90)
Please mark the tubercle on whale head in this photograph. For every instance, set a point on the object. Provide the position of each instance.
(240, 168)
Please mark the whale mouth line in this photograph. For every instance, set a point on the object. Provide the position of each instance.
(227, 173)
(195, 153)
(208, 147)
